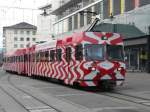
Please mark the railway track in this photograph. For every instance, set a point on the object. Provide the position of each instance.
(46, 107)
(116, 95)
(127, 97)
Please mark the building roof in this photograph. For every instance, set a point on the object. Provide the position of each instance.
(127, 30)
(22, 25)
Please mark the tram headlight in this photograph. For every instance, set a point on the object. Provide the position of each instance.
(92, 68)
(119, 69)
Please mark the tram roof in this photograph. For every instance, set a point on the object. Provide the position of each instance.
(46, 45)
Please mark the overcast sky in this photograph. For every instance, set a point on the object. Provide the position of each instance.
(10, 15)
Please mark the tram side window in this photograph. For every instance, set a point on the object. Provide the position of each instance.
(25, 57)
(52, 55)
(33, 57)
(79, 52)
(10, 59)
(13, 59)
(58, 54)
(37, 57)
(68, 54)
(3, 60)
(47, 56)
(18, 58)
(21, 58)
(7, 59)
(42, 56)
(30, 58)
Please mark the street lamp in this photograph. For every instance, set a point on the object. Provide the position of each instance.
(148, 49)
(113, 24)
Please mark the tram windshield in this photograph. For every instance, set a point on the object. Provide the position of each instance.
(115, 52)
(94, 52)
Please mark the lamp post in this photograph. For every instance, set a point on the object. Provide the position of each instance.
(114, 26)
(148, 49)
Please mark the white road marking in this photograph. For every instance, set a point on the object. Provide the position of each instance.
(143, 101)
(148, 103)
(26, 97)
(71, 94)
(38, 108)
(115, 108)
(50, 87)
(44, 110)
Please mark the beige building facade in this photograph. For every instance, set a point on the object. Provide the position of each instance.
(18, 36)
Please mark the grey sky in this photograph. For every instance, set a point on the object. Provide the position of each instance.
(10, 16)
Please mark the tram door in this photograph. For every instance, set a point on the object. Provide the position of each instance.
(29, 64)
(25, 64)
(74, 57)
(69, 61)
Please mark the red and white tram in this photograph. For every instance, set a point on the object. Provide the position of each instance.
(87, 59)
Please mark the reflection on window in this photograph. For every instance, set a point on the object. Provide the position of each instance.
(115, 52)
(94, 52)
(79, 52)
(68, 54)
(58, 54)
(52, 55)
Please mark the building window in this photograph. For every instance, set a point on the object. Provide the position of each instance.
(21, 46)
(15, 39)
(70, 23)
(117, 7)
(21, 39)
(28, 39)
(28, 32)
(21, 32)
(97, 8)
(65, 26)
(81, 20)
(15, 31)
(15, 45)
(75, 21)
(27, 45)
(106, 8)
(33, 39)
(129, 5)
(144, 2)
(89, 16)
(33, 32)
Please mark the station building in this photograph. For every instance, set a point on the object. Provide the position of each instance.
(18, 36)
(128, 17)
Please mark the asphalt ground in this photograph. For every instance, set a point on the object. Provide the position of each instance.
(24, 94)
